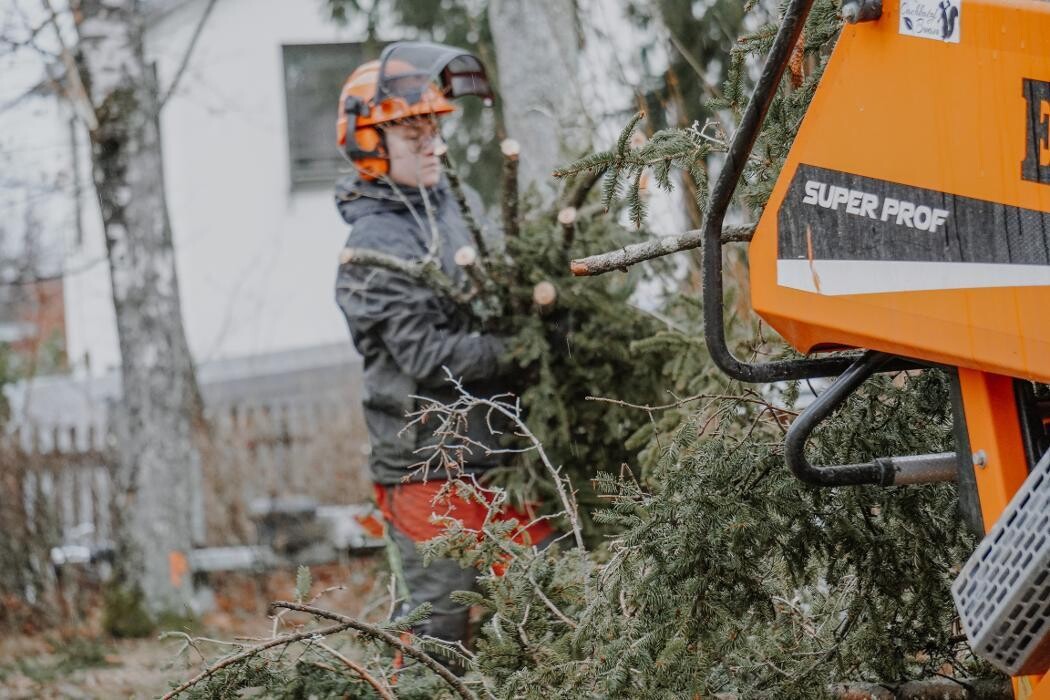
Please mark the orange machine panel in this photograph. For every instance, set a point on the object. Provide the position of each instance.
(913, 213)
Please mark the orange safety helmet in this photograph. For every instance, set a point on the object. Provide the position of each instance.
(410, 79)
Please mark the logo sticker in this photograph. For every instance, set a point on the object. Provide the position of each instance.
(1036, 164)
(931, 19)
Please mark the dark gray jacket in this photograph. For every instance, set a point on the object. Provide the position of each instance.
(405, 331)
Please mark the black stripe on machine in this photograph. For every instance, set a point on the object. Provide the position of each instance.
(840, 233)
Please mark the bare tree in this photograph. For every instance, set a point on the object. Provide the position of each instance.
(101, 69)
(159, 465)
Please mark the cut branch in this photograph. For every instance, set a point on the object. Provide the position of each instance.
(567, 219)
(467, 259)
(656, 248)
(385, 637)
(360, 671)
(423, 271)
(689, 399)
(510, 150)
(252, 651)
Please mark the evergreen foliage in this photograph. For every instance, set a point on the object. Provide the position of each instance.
(579, 347)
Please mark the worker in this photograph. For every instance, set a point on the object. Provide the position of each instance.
(398, 202)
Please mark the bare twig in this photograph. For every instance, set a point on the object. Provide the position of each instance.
(550, 604)
(189, 642)
(452, 443)
(27, 277)
(77, 93)
(513, 413)
(359, 670)
(656, 248)
(189, 52)
(30, 40)
(689, 399)
(712, 90)
(383, 636)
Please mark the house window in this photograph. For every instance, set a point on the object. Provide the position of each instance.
(313, 77)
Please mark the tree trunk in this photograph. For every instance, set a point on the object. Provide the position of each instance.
(537, 53)
(158, 468)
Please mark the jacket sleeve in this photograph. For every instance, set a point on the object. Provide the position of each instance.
(414, 326)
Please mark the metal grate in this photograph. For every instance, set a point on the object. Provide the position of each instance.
(1003, 592)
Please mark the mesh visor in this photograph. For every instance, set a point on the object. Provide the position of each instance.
(406, 68)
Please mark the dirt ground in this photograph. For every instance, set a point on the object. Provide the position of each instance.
(78, 662)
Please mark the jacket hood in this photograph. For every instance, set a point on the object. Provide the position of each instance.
(356, 198)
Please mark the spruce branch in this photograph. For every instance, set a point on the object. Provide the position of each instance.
(577, 195)
(426, 271)
(456, 186)
(624, 165)
(382, 635)
(550, 604)
(283, 640)
(655, 248)
(360, 671)
(932, 689)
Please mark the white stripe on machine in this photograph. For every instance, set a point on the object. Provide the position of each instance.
(839, 277)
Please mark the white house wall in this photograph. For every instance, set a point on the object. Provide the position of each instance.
(256, 259)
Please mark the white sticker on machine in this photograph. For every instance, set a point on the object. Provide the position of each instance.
(932, 19)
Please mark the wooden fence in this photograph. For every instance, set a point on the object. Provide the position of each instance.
(316, 448)
(311, 448)
(63, 477)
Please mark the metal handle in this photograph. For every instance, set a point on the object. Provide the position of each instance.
(721, 195)
(882, 471)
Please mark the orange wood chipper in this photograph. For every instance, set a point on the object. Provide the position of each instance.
(911, 221)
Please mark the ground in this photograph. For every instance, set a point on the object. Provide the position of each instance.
(77, 661)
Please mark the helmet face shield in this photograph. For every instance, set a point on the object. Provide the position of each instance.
(411, 80)
(408, 69)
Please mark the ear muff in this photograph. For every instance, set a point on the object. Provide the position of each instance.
(365, 147)
(370, 155)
